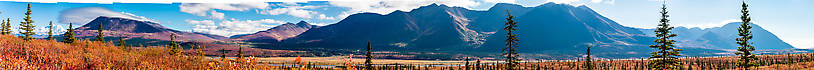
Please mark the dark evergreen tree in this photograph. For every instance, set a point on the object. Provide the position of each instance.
(100, 36)
(3, 28)
(27, 25)
(466, 64)
(478, 65)
(511, 43)
(50, 30)
(69, 35)
(745, 50)
(121, 42)
(588, 59)
(6, 27)
(240, 52)
(223, 54)
(666, 55)
(369, 57)
(173, 46)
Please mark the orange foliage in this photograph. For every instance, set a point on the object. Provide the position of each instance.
(18, 54)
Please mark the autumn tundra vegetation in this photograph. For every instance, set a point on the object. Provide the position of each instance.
(25, 52)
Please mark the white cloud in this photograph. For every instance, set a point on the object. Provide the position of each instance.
(387, 6)
(603, 1)
(301, 13)
(86, 14)
(499, 1)
(322, 16)
(232, 27)
(290, 3)
(207, 9)
(320, 24)
(579, 2)
(216, 15)
(563, 1)
(43, 30)
(596, 1)
(293, 10)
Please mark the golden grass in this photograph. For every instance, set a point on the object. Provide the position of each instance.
(339, 60)
(50, 55)
(87, 55)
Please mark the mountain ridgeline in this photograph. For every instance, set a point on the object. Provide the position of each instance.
(549, 29)
(723, 37)
(546, 31)
(553, 29)
(277, 33)
(114, 27)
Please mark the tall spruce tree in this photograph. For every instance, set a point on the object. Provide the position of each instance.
(222, 54)
(173, 46)
(27, 25)
(100, 36)
(50, 30)
(122, 44)
(588, 59)
(466, 64)
(745, 50)
(3, 28)
(368, 57)
(69, 36)
(511, 43)
(666, 56)
(239, 52)
(6, 27)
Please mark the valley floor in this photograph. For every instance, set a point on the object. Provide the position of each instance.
(795, 66)
(51, 55)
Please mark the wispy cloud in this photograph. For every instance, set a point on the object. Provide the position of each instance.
(208, 9)
(86, 14)
(232, 27)
(291, 9)
(582, 2)
(499, 1)
(387, 6)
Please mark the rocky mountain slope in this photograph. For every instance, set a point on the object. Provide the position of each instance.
(116, 27)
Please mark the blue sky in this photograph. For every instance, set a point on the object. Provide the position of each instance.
(785, 18)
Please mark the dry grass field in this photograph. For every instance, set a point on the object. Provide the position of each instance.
(83, 55)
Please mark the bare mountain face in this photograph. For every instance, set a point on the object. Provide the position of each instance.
(561, 30)
(550, 31)
(277, 33)
(429, 27)
(724, 37)
(114, 27)
(546, 30)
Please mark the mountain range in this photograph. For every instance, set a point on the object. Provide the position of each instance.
(121, 27)
(276, 34)
(724, 37)
(545, 31)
